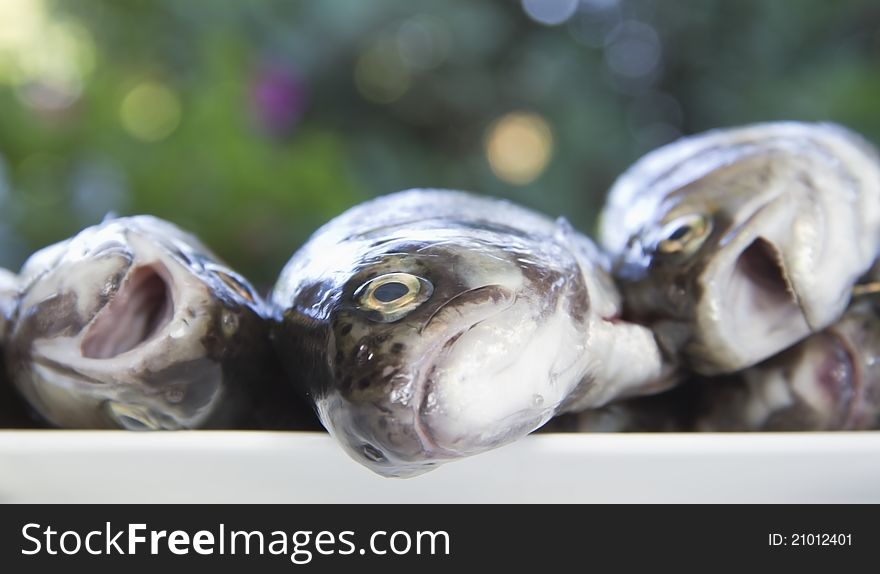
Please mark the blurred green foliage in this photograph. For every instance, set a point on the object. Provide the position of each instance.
(282, 114)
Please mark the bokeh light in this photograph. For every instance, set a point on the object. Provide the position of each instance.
(254, 123)
(519, 146)
(550, 12)
(150, 112)
(279, 97)
(380, 74)
(45, 59)
(632, 49)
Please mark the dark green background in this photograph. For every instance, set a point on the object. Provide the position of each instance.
(254, 189)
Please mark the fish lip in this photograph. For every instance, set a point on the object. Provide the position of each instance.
(423, 383)
(67, 386)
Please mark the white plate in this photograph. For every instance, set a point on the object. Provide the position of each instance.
(112, 466)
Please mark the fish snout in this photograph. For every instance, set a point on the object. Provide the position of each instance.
(427, 419)
(382, 438)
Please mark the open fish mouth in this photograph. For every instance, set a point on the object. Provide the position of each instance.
(141, 307)
(750, 310)
(755, 302)
(840, 380)
(815, 386)
(760, 299)
(127, 325)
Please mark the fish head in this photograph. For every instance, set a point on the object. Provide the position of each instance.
(443, 344)
(129, 324)
(750, 245)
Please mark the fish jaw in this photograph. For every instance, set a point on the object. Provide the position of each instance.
(777, 278)
(748, 308)
(827, 380)
(832, 378)
(392, 450)
(125, 343)
(489, 371)
(859, 335)
(822, 384)
(389, 432)
(502, 379)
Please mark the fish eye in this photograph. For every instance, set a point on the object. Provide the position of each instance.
(392, 296)
(391, 292)
(684, 235)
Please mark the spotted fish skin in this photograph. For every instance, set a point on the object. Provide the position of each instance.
(735, 244)
(429, 325)
(133, 323)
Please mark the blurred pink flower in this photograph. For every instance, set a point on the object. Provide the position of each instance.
(279, 97)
